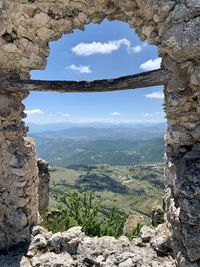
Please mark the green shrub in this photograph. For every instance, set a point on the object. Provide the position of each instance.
(136, 231)
(81, 209)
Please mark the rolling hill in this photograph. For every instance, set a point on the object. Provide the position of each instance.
(89, 146)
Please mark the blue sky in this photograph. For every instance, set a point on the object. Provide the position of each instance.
(107, 50)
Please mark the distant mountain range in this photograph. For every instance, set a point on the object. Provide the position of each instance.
(65, 152)
(99, 131)
(89, 145)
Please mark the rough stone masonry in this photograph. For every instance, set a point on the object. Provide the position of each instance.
(26, 27)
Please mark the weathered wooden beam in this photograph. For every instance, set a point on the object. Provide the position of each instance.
(145, 79)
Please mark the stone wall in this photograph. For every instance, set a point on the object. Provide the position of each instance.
(183, 164)
(18, 174)
(26, 27)
(74, 248)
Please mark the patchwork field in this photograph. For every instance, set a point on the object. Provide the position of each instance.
(133, 189)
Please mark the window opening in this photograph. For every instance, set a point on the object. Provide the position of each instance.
(108, 143)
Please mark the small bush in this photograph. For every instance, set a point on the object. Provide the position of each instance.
(136, 231)
(81, 209)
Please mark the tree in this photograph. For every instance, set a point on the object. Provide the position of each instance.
(82, 209)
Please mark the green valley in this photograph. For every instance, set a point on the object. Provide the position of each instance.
(133, 189)
(122, 168)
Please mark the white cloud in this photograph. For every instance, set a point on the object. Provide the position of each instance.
(135, 49)
(115, 119)
(66, 115)
(147, 114)
(115, 113)
(88, 49)
(151, 64)
(81, 69)
(157, 95)
(34, 112)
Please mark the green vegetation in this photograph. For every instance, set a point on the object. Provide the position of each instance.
(64, 152)
(81, 209)
(135, 231)
(118, 173)
(133, 190)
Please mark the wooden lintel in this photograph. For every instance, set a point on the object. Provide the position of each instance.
(145, 79)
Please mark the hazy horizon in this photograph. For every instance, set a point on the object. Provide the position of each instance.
(34, 128)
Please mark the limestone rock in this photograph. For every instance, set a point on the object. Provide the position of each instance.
(52, 259)
(157, 216)
(43, 188)
(147, 233)
(185, 46)
(161, 242)
(126, 263)
(18, 174)
(67, 241)
(47, 250)
(38, 230)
